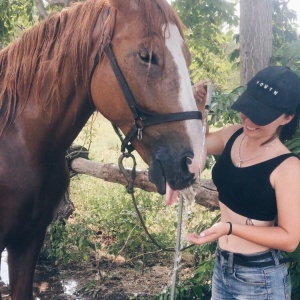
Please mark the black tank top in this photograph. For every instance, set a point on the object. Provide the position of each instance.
(247, 191)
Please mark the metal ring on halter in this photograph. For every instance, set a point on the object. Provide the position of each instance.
(129, 176)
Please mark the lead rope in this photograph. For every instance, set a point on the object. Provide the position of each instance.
(130, 176)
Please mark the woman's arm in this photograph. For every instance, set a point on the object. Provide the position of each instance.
(215, 141)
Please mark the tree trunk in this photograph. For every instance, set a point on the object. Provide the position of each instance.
(64, 211)
(255, 37)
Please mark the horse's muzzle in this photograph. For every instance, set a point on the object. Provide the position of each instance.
(176, 169)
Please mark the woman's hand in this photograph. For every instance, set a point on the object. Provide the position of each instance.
(209, 235)
(199, 92)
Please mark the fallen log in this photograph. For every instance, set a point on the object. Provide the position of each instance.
(206, 194)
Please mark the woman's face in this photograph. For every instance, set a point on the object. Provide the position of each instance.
(253, 130)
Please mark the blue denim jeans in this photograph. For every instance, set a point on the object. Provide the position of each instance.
(234, 281)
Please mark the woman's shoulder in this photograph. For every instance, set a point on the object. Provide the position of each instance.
(217, 140)
(233, 128)
(291, 161)
(289, 167)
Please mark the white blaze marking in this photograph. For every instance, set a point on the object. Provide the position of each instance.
(174, 43)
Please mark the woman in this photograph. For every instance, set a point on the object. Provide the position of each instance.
(257, 178)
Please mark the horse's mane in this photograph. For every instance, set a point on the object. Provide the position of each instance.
(153, 21)
(24, 61)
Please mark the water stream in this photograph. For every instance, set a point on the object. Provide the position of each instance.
(187, 197)
(4, 268)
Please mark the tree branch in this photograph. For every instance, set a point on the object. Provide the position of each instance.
(63, 3)
(206, 194)
(41, 9)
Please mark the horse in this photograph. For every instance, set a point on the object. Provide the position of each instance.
(126, 59)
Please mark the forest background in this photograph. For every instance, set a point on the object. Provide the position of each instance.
(104, 218)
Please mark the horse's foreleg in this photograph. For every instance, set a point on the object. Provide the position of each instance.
(22, 258)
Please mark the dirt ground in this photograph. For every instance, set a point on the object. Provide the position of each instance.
(107, 279)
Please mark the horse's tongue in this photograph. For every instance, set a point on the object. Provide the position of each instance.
(171, 195)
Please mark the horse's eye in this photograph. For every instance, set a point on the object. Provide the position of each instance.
(146, 57)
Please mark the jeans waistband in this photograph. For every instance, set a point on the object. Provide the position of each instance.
(265, 259)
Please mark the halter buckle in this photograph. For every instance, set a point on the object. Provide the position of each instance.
(140, 133)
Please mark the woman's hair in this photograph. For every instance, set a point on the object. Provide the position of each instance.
(288, 131)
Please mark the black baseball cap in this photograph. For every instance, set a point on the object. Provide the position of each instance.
(272, 92)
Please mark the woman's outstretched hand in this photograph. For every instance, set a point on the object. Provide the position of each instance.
(209, 235)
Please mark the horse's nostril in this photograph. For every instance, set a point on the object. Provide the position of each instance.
(186, 162)
(189, 166)
(189, 161)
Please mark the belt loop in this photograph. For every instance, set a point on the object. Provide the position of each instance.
(275, 257)
(220, 256)
(230, 262)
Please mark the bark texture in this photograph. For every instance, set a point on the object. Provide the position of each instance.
(255, 37)
(205, 191)
(41, 7)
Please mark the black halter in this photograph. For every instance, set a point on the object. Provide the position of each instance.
(145, 118)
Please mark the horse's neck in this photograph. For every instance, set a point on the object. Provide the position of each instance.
(60, 119)
(59, 103)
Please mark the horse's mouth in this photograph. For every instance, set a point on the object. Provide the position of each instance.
(171, 195)
(158, 176)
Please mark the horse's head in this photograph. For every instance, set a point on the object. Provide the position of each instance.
(150, 50)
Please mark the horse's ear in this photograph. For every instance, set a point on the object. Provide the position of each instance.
(124, 6)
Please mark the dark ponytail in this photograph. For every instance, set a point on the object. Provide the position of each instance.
(288, 131)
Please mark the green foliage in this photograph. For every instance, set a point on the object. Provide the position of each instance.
(285, 39)
(88, 133)
(90, 290)
(15, 16)
(294, 268)
(221, 114)
(206, 36)
(294, 144)
(284, 26)
(71, 242)
(111, 211)
(160, 225)
(197, 287)
(288, 55)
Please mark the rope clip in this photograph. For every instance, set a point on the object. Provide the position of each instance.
(140, 133)
(128, 174)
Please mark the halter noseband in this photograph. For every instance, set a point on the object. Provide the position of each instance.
(145, 118)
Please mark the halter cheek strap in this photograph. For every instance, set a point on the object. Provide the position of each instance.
(141, 118)
(145, 118)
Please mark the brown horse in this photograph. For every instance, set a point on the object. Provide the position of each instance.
(55, 76)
